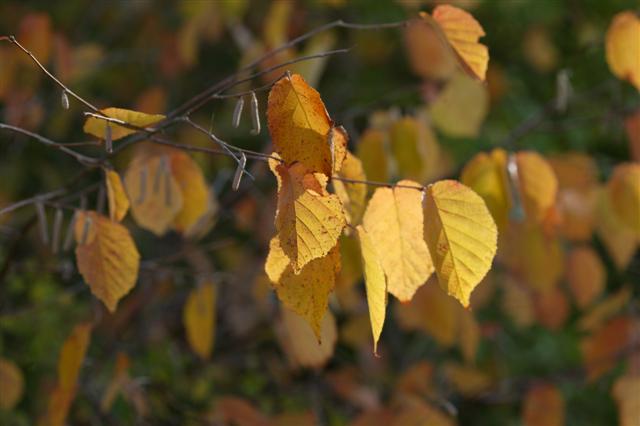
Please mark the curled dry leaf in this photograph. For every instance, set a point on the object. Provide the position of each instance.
(461, 236)
(394, 222)
(98, 127)
(106, 256)
(118, 201)
(622, 45)
(199, 319)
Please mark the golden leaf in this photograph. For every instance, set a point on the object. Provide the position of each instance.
(303, 347)
(106, 256)
(625, 391)
(413, 145)
(622, 45)
(118, 201)
(309, 220)
(461, 236)
(604, 310)
(352, 195)
(624, 194)
(537, 184)
(394, 222)
(373, 154)
(299, 124)
(199, 319)
(429, 56)
(307, 292)
(375, 283)
(97, 127)
(600, 350)
(620, 243)
(543, 406)
(463, 31)
(11, 383)
(586, 276)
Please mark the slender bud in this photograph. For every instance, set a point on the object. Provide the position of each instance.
(239, 171)
(85, 229)
(57, 226)
(143, 186)
(42, 222)
(64, 100)
(255, 114)
(108, 142)
(237, 112)
(68, 238)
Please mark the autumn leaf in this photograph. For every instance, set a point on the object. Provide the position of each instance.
(619, 242)
(352, 195)
(552, 308)
(625, 391)
(586, 276)
(394, 222)
(307, 292)
(106, 256)
(302, 346)
(375, 283)
(429, 56)
(11, 383)
(372, 152)
(624, 195)
(461, 236)
(309, 220)
(599, 350)
(537, 184)
(622, 43)
(517, 303)
(97, 126)
(119, 381)
(299, 124)
(604, 310)
(118, 201)
(466, 379)
(198, 317)
(543, 406)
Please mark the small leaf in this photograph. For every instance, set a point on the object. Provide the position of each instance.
(11, 383)
(601, 349)
(619, 242)
(461, 236)
(352, 195)
(373, 154)
(537, 184)
(300, 343)
(622, 44)
(199, 318)
(586, 276)
(107, 259)
(375, 283)
(97, 127)
(624, 195)
(543, 406)
(394, 222)
(118, 201)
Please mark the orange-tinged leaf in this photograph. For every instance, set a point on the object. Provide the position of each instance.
(352, 195)
(301, 344)
(620, 243)
(118, 201)
(468, 380)
(622, 45)
(632, 125)
(586, 276)
(410, 147)
(604, 310)
(238, 412)
(199, 319)
(625, 391)
(299, 124)
(461, 236)
(72, 356)
(537, 184)
(106, 256)
(307, 292)
(309, 220)
(11, 383)
(429, 55)
(338, 140)
(394, 222)
(36, 35)
(543, 406)
(375, 283)
(624, 194)
(154, 193)
(461, 107)
(463, 32)
(97, 127)
(421, 413)
(552, 308)
(599, 350)
(372, 152)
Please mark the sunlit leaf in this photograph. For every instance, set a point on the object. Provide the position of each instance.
(622, 44)
(537, 184)
(303, 347)
(619, 242)
(624, 194)
(118, 201)
(352, 195)
(586, 276)
(97, 126)
(372, 152)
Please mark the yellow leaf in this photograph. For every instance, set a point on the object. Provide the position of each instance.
(623, 47)
(463, 32)
(604, 310)
(307, 292)
(154, 193)
(537, 184)
(303, 347)
(461, 236)
(620, 243)
(352, 195)
(543, 406)
(394, 222)
(586, 276)
(97, 127)
(106, 256)
(373, 154)
(375, 283)
(461, 107)
(624, 194)
(486, 174)
(299, 124)
(625, 391)
(72, 355)
(11, 383)
(199, 317)
(539, 49)
(429, 55)
(413, 145)
(309, 220)
(118, 201)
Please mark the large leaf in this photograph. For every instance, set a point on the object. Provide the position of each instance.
(97, 127)
(623, 47)
(107, 257)
(461, 236)
(199, 317)
(394, 222)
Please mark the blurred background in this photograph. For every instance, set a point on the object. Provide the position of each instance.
(552, 330)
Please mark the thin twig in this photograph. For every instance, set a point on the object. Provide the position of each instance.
(36, 198)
